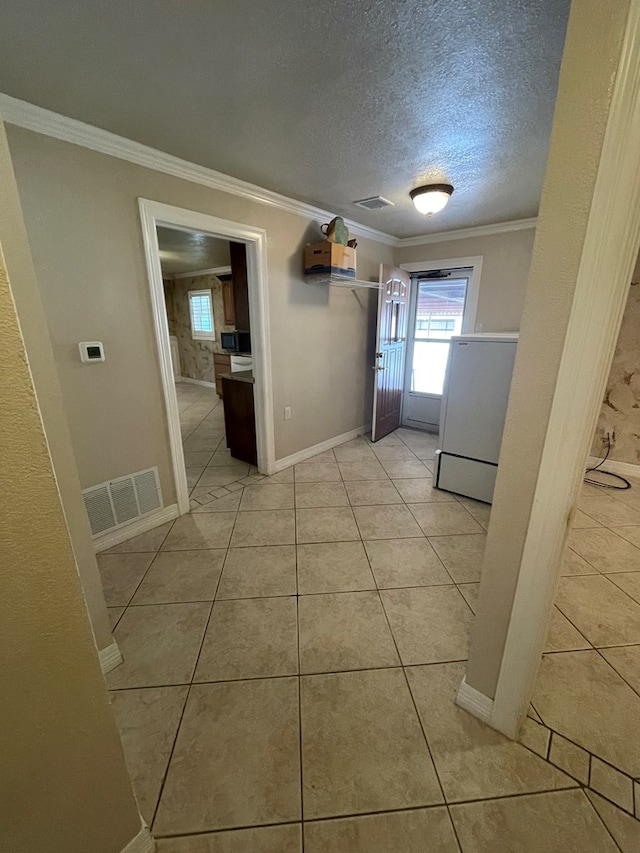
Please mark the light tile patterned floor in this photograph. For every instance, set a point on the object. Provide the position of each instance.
(290, 669)
(588, 690)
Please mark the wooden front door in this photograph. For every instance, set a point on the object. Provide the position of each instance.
(391, 339)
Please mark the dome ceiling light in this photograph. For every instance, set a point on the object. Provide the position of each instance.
(431, 198)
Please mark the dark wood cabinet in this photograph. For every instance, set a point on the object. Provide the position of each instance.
(238, 253)
(227, 301)
(240, 419)
(221, 364)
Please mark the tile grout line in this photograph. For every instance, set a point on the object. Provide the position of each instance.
(415, 707)
(314, 674)
(588, 799)
(352, 815)
(193, 672)
(299, 677)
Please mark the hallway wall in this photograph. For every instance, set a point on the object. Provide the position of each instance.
(45, 377)
(65, 785)
(82, 217)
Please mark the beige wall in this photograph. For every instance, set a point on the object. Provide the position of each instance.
(589, 65)
(41, 359)
(505, 267)
(65, 786)
(621, 406)
(196, 357)
(81, 213)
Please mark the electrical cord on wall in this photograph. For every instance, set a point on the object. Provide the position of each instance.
(617, 477)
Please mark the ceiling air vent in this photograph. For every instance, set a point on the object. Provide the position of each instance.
(118, 502)
(376, 202)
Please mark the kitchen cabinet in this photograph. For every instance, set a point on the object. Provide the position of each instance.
(238, 254)
(227, 301)
(221, 364)
(239, 416)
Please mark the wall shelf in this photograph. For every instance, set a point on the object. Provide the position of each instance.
(341, 281)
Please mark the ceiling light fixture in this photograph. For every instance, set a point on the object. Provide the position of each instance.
(431, 198)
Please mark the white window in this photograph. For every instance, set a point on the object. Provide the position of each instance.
(439, 309)
(201, 310)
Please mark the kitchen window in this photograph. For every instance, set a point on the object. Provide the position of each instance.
(201, 310)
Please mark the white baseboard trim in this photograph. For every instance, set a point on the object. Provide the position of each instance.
(142, 843)
(110, 658)
(141, 525)
(302, 455)
(196, 382)
(474, 702)
(625, 469)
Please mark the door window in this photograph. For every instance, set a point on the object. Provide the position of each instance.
(438, 316)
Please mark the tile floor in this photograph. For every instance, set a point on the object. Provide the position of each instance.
(291, 664)
(208, 463)
(588, 688)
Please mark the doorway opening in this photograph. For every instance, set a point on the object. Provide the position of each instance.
(208, 285)
(443, 303)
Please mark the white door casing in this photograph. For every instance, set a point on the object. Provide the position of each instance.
(422, 411)
(153, 213)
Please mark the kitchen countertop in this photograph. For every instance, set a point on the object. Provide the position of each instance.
(240, 376)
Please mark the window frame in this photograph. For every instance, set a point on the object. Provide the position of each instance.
(200, 335)
(459, 272)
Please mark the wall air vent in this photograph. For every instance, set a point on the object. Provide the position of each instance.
(376, 202)
(118, 502)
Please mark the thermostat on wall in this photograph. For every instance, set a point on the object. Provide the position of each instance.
(91, 351)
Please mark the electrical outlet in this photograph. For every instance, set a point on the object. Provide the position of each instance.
(287, 413)
(608, 435)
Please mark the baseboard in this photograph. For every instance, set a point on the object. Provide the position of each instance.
(196, 382)
(625, 469)
(474, 702)
(303, 455)
(142, 843)
(154, 519)
(110, 658)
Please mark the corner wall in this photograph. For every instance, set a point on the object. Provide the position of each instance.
(589, 67)
(45, 377)
(64, 781)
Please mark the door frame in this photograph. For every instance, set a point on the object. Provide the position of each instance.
(470, 306)
(154, 213)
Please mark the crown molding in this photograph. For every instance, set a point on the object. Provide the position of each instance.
(30, 117)
(463, 233)
(48, 123)
(196, 273)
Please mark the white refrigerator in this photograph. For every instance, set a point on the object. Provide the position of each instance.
(474, 406)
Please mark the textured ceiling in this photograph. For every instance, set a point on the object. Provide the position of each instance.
(325, 102)
(186, 251)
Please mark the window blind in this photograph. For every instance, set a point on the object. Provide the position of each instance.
(201, 310)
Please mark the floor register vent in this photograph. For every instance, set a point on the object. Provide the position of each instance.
(121, 501)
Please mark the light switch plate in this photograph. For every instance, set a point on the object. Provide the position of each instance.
(91, 351)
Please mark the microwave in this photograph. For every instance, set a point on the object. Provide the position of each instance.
(235, 341)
